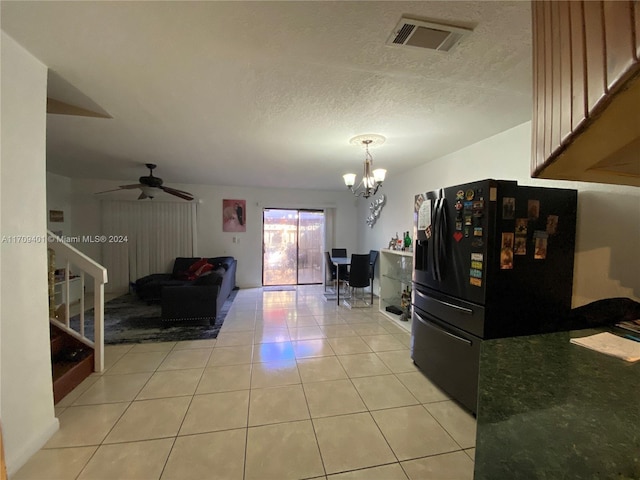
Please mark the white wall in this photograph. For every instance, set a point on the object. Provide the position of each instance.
(212, 241)
(59, 198)
(26, 406)
(608, 231)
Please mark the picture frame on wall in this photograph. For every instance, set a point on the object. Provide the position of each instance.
(56, 216)
(234, 215)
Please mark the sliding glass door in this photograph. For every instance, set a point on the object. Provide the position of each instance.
(292, 246)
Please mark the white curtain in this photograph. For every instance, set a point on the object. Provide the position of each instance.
(144, 238)
(329, 225)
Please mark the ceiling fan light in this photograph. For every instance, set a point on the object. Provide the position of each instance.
(149, 191)
(349, 179)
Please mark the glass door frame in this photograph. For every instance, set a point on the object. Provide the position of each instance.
(297, 212)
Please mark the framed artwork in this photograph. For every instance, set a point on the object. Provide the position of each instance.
(234, 215)
(56, 216)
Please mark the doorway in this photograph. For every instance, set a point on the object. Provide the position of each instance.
(292, 243)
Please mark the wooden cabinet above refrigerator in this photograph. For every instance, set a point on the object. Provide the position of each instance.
(586, 92)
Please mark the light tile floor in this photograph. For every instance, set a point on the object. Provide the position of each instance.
(294, 387)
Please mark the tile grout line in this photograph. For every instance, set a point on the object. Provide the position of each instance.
(362, 323)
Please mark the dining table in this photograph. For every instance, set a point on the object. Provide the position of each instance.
(340, 263)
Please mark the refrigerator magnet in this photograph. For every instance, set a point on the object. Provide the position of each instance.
(477, 231)
(475, 273)
(533, 209)
(459, 225)
(520, 247)
(457, 236)
(552, 224)
(508, 208)
(460, 194)
(476, 265)
(476, 257)
(540, 252)
(521, 226)
(506, 251)
(540, 248)
(424, 215)
(470, 194)
(476, 282)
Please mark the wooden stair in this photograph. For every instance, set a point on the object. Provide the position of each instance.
(71, 362)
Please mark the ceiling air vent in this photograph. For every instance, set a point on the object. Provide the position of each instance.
(433, 36)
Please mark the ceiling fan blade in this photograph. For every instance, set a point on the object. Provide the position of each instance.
(107, 191)
(178, 193)
(122, 187)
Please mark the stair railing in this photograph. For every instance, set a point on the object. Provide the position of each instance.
(73, 257)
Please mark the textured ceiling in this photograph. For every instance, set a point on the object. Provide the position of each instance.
(269, 93)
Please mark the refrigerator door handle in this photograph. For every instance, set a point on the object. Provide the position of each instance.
(442, 243)
(467, 311)
(434, 326)
(436, 237)
(432, 250)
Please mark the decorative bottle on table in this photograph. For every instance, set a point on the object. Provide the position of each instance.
(407, 241)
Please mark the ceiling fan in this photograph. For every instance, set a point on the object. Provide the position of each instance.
(150, 186)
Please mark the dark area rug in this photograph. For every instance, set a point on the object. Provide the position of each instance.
(127, 319)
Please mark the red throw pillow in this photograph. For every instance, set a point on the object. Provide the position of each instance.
(207, 267)
(197, 265)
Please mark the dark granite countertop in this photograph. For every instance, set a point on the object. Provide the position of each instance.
(549, 409)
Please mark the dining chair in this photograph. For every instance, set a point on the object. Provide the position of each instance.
(373, 259)
(359, 276)
(339, 252)
(330, 272)
(343, 272)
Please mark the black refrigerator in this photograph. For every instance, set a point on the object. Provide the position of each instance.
(491, 259)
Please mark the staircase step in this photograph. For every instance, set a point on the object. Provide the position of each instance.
(57, 343)
(68, 375)
(71, 362)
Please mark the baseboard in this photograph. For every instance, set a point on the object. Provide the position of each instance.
(31, 448)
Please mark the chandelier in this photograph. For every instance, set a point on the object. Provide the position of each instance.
(371, 179)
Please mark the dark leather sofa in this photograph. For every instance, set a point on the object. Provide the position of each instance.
(186, 297)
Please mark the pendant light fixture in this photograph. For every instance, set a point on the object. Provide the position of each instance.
(371, 179)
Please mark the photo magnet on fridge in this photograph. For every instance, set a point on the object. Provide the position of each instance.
(520, 247)
(506, 251)
(552, 224)
(521, 226)
(533, 209)
(508, 208)
(540, 248)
